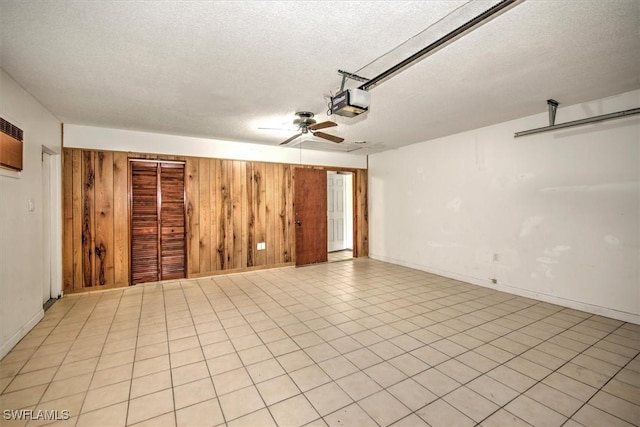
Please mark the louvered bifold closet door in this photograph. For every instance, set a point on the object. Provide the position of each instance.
(172, 219)
(144, 222)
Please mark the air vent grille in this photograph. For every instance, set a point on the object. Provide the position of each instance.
(11, 130)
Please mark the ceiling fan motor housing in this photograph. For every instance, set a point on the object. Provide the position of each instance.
(304, 120)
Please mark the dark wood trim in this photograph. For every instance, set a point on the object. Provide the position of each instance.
(159, 217)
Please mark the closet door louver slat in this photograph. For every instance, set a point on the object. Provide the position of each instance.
(144, 222)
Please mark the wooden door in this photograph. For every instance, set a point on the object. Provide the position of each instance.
(157, 221)
(310, 202)
(172, 221)
(144, 222)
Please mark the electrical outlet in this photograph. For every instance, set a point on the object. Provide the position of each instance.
(496, 257)
(262, 246)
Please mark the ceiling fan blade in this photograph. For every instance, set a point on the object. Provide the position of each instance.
(290, 139)
(331, 138)
(322, 125)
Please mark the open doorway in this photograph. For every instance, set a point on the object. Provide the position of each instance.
(339, 216)
(51, 227)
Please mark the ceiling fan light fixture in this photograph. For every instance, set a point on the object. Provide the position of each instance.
(305, 123)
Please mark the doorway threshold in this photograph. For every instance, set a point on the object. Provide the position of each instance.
(47, 305)
(342, 255)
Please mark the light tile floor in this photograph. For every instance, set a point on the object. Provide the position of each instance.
(358, 343)
(342, 255)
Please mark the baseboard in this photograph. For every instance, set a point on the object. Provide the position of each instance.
(24, 330)
(553, 299)
(240, 270)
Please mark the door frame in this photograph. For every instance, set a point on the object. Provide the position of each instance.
(354, 190)
(348, 219)
(55, 217)
(159, 201)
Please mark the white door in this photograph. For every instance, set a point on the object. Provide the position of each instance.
(46, 227)
(335, 212)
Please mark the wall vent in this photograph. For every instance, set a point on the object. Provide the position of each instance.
(11, 139)
(11, 130)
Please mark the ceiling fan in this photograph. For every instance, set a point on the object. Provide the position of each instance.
(306, 124)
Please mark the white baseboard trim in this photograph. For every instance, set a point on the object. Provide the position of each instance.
(576, 305)
(24, 330)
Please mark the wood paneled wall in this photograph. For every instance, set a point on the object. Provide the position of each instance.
(96, 223)
(232, 206)
(360, 206)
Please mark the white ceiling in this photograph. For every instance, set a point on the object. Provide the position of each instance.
(222, 69)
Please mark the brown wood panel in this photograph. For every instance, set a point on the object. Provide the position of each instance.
(104, 232)
(193, 215)
(220, 214)
(172, 221)
(361, 225)
(67, 220)
(259, 211)
(276, 242)
(204, 211)
(76, 200)
(251, 229)
(245, 211)
(269, 222)
(213, 218)
(226, 214)
(310, 216)
(237, 184)
(88, 219)
(288, 212)
(121, 219)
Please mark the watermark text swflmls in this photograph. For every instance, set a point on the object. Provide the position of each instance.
(40, 414)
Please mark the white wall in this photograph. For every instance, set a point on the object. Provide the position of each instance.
(125, 140)
(559, 210)
(20, 229)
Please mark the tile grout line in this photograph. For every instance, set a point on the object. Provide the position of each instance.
(314, 363)
(241, 361)
(605, 384)
(277, 361)
(394, 294)
(442, 338)
(554, 371)
(61, 363)
(86, 392)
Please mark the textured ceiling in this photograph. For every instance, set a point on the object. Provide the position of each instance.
(221, 70)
